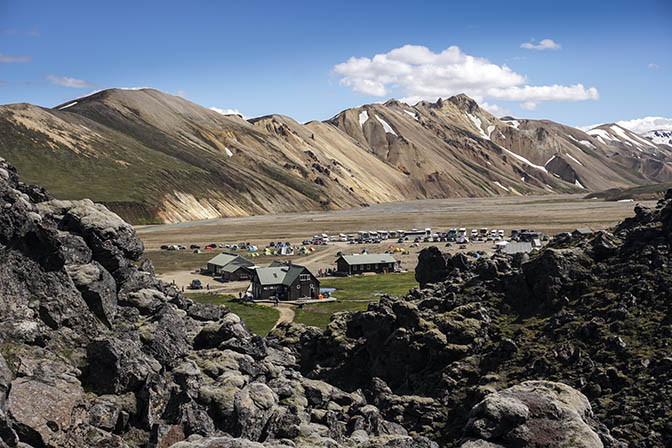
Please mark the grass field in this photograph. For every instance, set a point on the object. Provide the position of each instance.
(260, 319)
(186, 260)
(354, 294)
(178, 260)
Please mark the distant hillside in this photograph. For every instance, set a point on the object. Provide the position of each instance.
(154, 157)
(641, 193)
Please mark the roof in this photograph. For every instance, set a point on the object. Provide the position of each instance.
(357, 259)
(279, 273)
(271, 276)
(224, 259)
(584, 230)
(515, 247)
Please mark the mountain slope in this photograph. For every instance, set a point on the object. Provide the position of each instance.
(154, 157)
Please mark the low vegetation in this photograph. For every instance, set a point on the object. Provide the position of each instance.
(354, 294)
(178, 260)
(258, 318)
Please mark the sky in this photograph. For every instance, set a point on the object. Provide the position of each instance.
(575, 62)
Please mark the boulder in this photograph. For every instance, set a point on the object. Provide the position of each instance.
(43, 410)
(118, 366)
(533, 413)
(432, 267)
(98, 289)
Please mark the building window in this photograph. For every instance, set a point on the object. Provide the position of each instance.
(304, 277)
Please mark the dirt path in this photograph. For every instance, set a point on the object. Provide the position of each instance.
(286, 313)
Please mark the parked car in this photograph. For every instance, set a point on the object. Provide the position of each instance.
(196, 284)
(194, 246)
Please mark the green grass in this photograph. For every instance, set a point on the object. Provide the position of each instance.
(179, 260)
(354, 294)
(258, 318)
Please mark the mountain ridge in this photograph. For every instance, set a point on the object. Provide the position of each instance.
(154, 157)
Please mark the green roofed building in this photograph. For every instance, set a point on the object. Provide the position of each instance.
(360, 263)
(231, 267)
(286, 281)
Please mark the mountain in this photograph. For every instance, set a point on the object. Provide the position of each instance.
(154, 157)
(659, 136)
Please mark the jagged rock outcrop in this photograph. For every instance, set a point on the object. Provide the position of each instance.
(593, 313)
(94, 351)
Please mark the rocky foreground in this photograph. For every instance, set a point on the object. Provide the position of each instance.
(94, 351)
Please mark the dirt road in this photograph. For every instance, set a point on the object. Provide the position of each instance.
(286, 313)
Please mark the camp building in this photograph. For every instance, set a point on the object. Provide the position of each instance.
(231, 267)
(360, 263)
(583, 232)
(286, 281)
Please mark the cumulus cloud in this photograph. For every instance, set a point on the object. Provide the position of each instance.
(69, 82)
(641, 125)
(545, 44)
(228, 112)
(421, 74)
(496, 109)
(9, 59)
(653, 65)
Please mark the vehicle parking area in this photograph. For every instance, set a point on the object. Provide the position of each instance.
(547, 214)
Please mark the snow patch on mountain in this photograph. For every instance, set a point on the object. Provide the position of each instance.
(67, 105)
(570, 156)
(620, 132)
(501, 186)
(524, 160)
(363, 118)
(387, 127)
(477, 123)
(659, 136)
(513, 123)
(412, 114)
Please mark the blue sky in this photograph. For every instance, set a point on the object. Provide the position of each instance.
(283, 57)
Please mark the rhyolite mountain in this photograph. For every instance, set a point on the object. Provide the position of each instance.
(567, 347)
(154, 157)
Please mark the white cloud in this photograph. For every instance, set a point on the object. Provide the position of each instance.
(9, 59)
(496, 110)
(589, 127)
(421, 74)
(653, 65)
(228, 112)
(545, 44)
(69, 82)
(641, 125)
